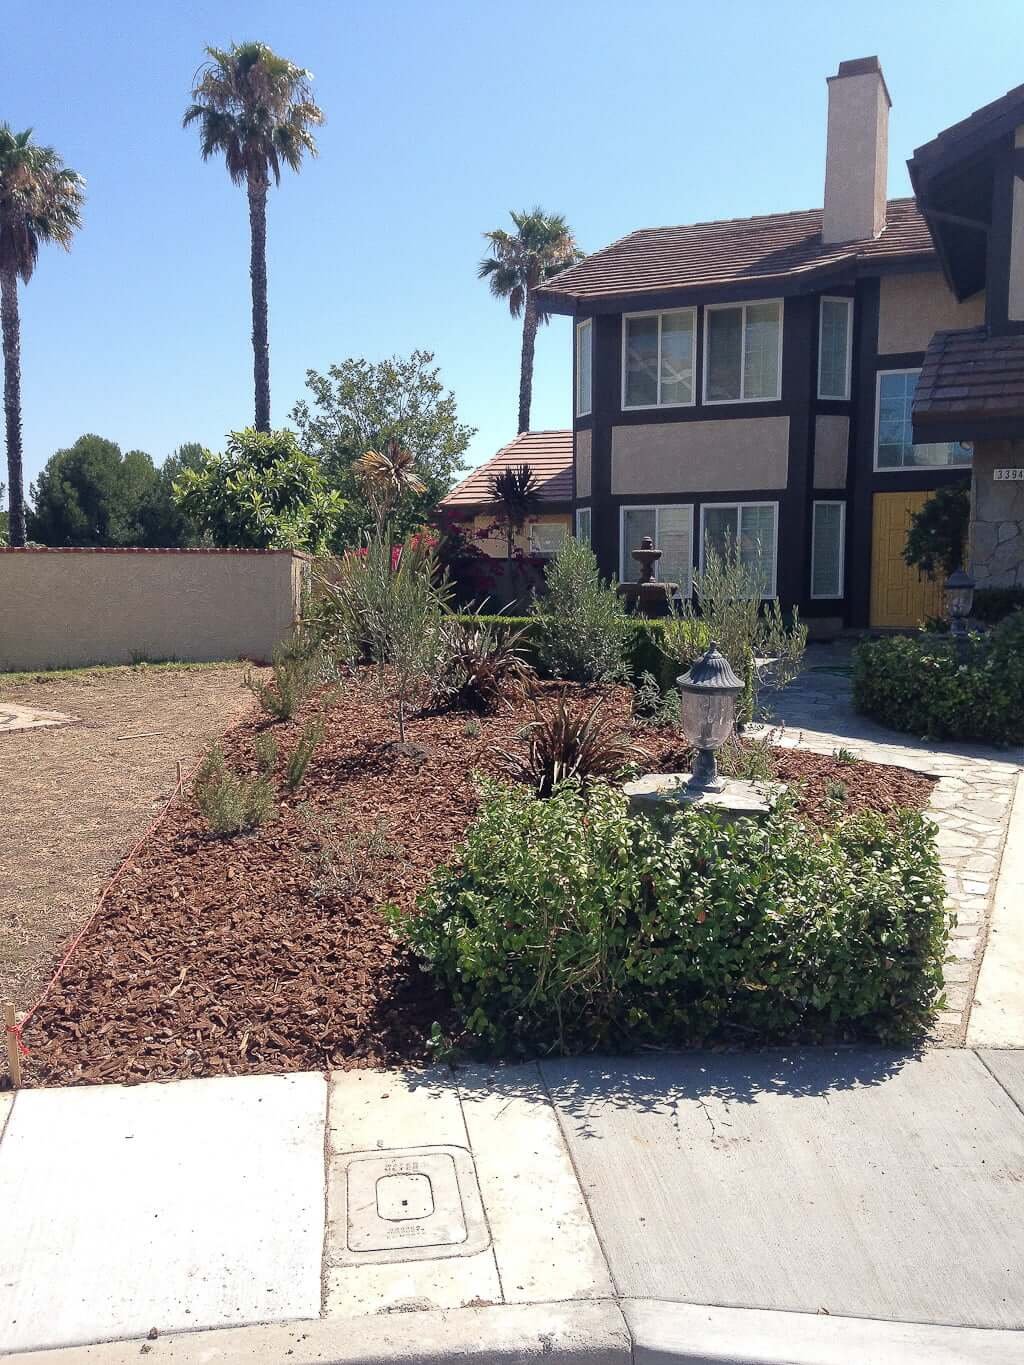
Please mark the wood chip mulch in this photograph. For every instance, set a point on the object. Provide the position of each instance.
(267, 952)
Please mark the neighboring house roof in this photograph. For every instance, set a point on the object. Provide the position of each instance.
(970, 384)
(732, 253)
(549, 455)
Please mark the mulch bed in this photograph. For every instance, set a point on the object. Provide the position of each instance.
(267, 952)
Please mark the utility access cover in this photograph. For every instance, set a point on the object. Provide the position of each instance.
(412, 1204)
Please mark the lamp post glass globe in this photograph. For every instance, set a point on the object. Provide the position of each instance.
(707, 714)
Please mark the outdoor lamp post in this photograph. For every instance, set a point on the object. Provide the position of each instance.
(707, 714)
(959, 588)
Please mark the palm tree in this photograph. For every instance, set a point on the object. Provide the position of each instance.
(388, 476)
(516, 493)
(40, 201)
(518, 265)
(256, 108)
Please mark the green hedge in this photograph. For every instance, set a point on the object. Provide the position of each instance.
(930, 687)
(571, 925)
(643, 652)
(992, 605)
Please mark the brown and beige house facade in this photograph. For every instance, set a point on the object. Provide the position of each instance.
(754, 380)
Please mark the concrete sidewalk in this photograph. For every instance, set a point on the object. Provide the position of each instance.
(807, 1206)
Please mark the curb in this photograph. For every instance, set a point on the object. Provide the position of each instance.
(635, 1332)
(996, 1019)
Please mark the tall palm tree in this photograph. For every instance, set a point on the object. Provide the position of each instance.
(515, 491)
(256, 108)
(518, 264)
(40, 201)
(387, 476)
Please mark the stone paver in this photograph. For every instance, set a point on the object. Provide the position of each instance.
(13, 717)
(970, 805)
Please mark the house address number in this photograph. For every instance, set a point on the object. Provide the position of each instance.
(1008, 475)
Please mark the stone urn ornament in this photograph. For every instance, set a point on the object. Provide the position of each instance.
(648, 596)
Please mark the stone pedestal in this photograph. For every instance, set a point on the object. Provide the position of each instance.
(661, 794)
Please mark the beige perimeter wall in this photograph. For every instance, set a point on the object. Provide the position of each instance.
(64, 608)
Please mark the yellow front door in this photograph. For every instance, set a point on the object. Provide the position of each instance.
(900, 595)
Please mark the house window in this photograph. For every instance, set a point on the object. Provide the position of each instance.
(835, 329)
(658, 356)
(583, 524)
(752, 526)
(894, 442)
(742, 352)
(828, 548)
(584, 367)
(546, 537)
(671, 529)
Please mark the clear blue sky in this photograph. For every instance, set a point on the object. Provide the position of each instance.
(441, 117)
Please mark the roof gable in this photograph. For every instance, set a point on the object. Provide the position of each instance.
(549, 455)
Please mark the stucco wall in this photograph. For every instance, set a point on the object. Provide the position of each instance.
(64, 608)
(584, 444)
(831, 451)
(1015, 291)
(728, 455)
(496, 545)
(913, 307)
(997, 517)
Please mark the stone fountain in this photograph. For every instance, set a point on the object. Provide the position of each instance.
(648, 596)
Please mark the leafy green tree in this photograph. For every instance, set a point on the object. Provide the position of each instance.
(264, 492)
(360, 405)
(162, 523)
(257, 109)
(935, 540)
(91, 494)
(40, 201)
(518, 264)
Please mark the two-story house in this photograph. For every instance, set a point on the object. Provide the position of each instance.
(752, 380)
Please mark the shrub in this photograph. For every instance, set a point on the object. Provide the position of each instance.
(568, 743)
(479, 664)
(265, 748)
(571, 925)
(991, 605)
(935, 540)
(930, 686)
(230, 802)
(581, 626)
(296, 672)
(298, 759)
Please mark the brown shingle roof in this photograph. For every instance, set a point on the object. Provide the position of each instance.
(970, 377)
(549, 455)
(738, 250)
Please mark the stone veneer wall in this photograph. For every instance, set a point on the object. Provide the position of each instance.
(997, 517)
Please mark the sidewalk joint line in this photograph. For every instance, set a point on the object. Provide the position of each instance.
(1012, 1098)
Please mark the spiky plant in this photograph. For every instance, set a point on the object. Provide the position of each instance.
(257, 109)
(515, 493)
(40, 201)
(387, 476)
(568, 743)
(481, 665)
(518, 264)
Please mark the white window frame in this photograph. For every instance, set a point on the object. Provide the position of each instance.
(534, 526)
(581, 411)
(659, 313)
(587, 512)
(837, 298)
(773, 592)
(632, 569)
(744, 305)
(829, 596)
(906, 468)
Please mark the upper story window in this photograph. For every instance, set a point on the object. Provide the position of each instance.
(743, 352)
(584, 367)
(658, 358)
(835, 331)
(894, 440)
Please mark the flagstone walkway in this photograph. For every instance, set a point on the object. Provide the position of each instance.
(970, 804)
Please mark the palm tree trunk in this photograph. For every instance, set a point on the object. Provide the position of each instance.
(526, 362)
(12, 403)
(258, 274)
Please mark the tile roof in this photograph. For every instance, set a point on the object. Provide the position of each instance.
(969, 376)
(777, 247)
(548, 453)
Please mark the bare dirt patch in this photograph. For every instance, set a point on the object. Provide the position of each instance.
(268, 952)
(77, 797)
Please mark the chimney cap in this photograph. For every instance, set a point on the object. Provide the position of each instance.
(861, 66)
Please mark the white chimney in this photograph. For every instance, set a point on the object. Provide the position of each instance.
(857, 152)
